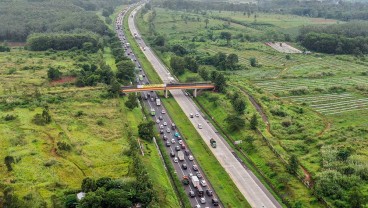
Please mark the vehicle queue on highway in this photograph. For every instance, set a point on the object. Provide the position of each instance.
(200, 194)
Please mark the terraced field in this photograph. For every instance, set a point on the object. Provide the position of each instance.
(330, 104)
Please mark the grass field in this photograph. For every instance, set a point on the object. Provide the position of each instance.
(95, 128)
(323, 97)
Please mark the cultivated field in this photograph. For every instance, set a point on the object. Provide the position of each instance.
(310, 103)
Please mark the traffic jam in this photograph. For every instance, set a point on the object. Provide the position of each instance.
(199, 191)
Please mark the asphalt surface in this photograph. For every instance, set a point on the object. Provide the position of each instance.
(249, 185)
(161, 118)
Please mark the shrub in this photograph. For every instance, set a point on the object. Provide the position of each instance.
(9, 117)
(64, 146)
(253, 62)
(299, 91)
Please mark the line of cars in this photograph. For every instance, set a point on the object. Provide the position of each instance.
(182, 158)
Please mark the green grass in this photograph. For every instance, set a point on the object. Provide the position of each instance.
(228, 193)
(259, 153)
(110, 60)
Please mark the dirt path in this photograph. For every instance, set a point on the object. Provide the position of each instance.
(308, 178)
(258, 108)
(281, 73)
(327, 127)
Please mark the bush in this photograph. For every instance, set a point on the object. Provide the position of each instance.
(299, 91)
(64, 146)
(9, 117)
(53, 74)
(253, 62)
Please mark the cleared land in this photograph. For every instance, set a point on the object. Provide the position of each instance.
(283, 47)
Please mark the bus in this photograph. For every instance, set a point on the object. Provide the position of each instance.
(153, 112)
(140, 77)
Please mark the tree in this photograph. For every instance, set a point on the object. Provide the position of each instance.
(88, 184)
(10, 200)
(125, 71)
(191, 64)
(132, 102)
(219, 81)
(114, 88)
(8, 160)
(91, 200)
(177, 64)
(253, 62)
(343, 154)
(231, 61)
(356, 198)
(253, 122)
(226, 36)
(159, 41)
(71, 201)
(206, 21)
(53, 74)
(204, 73)
(239, 105)
(235, 122)
(145, 130)
(293, 164)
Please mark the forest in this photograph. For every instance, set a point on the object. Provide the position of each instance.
(22, 18)
(347, 38)
(324, 9)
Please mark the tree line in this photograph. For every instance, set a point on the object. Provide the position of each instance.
(22, 18)
(348, 38)
(63, 41)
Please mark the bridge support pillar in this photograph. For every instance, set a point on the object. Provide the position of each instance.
(166, 96)
(195, 92)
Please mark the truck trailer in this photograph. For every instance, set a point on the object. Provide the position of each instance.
(181, 155)
(195, 181)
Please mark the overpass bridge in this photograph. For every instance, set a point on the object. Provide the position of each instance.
(167, 87)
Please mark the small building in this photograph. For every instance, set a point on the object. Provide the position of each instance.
(80, 195)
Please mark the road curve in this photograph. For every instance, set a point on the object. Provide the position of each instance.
(252, 189)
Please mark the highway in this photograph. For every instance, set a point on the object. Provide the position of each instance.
(252, 189)
(164, 123)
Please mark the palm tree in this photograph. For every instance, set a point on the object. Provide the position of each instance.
(206, 21)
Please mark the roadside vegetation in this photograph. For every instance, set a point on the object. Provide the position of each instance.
(62, 113)
(299, 100)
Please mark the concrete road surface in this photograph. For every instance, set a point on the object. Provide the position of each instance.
(252, 189)
(163, 121)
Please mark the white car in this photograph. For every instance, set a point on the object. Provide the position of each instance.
(163, 112)
(191, 115)
(176, 160)
(161, 126)
(197, 115)
(203, 200)
(197, 206)
(173, 141)
(180, 142)
(190, 175)
(203, 183)
(165, 124)
(200, 126)
(157, 121)
(190, 157)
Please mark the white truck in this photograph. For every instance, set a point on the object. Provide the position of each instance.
(181, 155)
(195, 181)
(158, 102)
